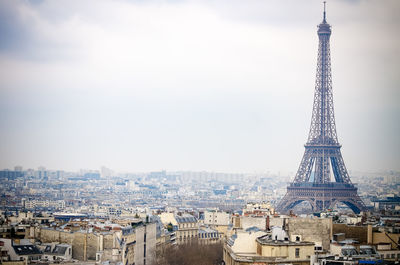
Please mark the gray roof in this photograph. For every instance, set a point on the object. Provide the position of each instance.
(207, 230)
(26, 250)
(186, 219)
(60, 250)
(253, 229)
(267, 240)
(232, 239)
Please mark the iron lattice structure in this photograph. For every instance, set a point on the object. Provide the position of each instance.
(322, 155)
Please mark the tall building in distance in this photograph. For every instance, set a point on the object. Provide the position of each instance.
(322, 178)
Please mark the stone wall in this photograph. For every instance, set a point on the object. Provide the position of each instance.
(150, 243)
(92, 246)
(84, 246)
(13, 262)
(318, 230)
(359, 233)
(382, 237)
(253, 221)
(139, 246)
(79, 246)
(276, 221)
(108, 241)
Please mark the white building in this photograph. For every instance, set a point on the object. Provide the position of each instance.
(57, 252)
(20, 252)
(216, 218)
(59, 204)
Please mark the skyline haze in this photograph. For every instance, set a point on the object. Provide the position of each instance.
(193, 85)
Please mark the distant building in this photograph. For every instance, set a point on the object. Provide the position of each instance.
(18, 168)
(32, 204)
(261, 209)
(390, 203)
(10, 175)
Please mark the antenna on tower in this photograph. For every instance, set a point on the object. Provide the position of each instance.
(324, 11)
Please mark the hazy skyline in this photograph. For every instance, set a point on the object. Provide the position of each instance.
(193, 85)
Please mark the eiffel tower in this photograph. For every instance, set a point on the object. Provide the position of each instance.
(322, 155)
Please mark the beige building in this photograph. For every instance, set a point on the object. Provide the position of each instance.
(254, 249)
(136, 245)
(208, 235)
(185, 226)
(382, 239)
(139, 244)
(245, 222)
(262, 209)
(386, 252)
(132, 244)
(168, 218)
(217, 220)
(317, 230)
(19, 251)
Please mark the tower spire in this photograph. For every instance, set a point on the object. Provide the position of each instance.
(324, 12)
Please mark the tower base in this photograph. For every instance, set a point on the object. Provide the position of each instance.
(321, 196)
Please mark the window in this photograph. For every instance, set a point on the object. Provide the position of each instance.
(297, 252)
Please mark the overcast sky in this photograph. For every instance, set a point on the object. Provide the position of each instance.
(193, 85)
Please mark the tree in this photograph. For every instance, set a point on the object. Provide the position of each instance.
(191, 253)
(170, 227)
